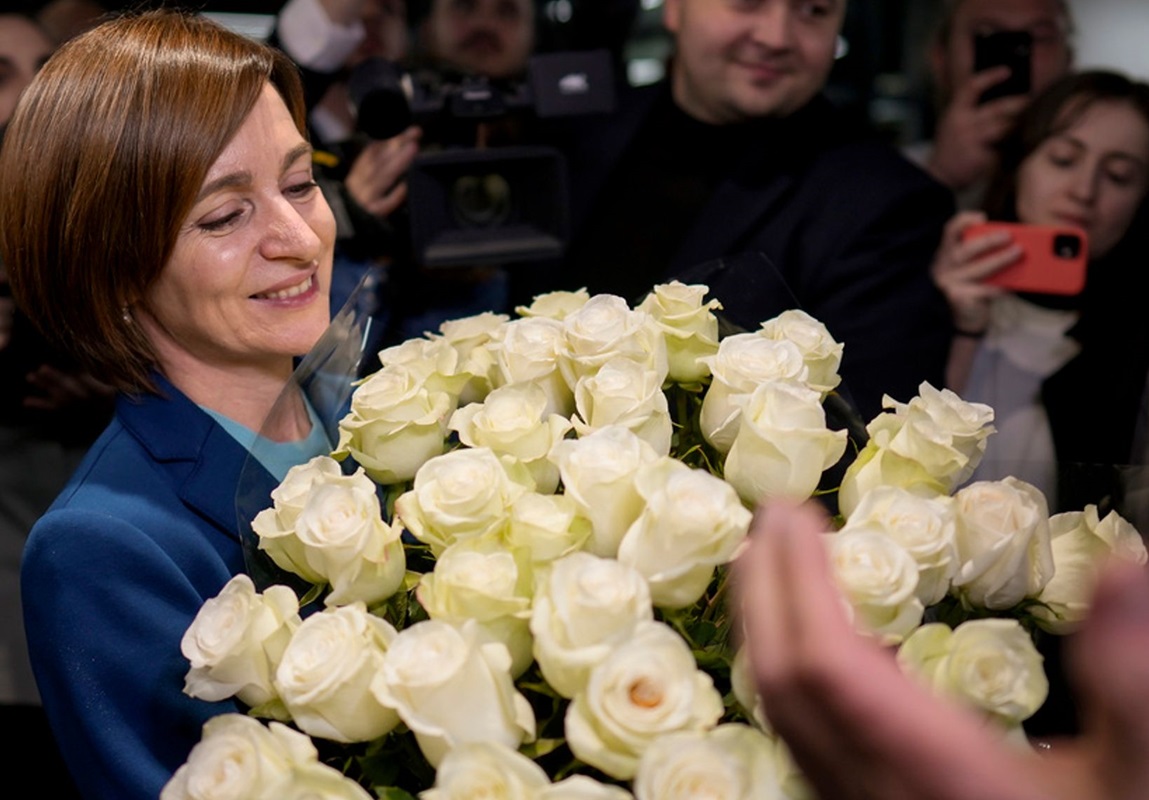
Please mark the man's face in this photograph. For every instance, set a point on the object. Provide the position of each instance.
(1043, 19)
(484, 37)
(737, 60)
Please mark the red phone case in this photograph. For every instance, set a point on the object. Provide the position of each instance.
(1050, 263)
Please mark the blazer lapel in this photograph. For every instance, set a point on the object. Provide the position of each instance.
(205, 463)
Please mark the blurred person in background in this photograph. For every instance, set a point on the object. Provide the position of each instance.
(1078, 156)
(63, 19)
(738, 172)
(967, 131)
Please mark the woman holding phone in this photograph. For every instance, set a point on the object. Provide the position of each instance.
(1064, 373)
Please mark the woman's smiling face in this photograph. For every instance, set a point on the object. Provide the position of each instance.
(1093, 174)
(247, 284)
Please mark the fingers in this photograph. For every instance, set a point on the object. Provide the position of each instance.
(375, 179)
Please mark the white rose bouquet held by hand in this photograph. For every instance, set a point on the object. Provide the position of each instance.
(518, 556)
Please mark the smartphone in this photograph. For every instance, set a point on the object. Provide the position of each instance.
(1053, 260)
(1013, 49)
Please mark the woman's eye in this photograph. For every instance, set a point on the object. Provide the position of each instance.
(300, 190)
(219, 223)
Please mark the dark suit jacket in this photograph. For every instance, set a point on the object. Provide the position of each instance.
(847, 226)
(114, 573)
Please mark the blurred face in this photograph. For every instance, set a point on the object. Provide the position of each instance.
(1094, 175)
(1044, 19)
(744, 59)
(484, 37)
(23, 50)
(385, 23)
(247, 284)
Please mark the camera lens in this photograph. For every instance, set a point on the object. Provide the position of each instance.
(1067, 245)
(481, 201)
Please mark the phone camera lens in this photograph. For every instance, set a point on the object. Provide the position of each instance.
(1067, 245)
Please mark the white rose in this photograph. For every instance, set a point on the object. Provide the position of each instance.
(732, 762)
(275, 526)
(877, 466)
(555, 305)
(987, 664)
(548, 526)
(605, 328)
(929, 446)
(486, 770)
(1002, 535)
(514, 421)
(238, 758)
(648, 687)
(821, 354)
(529, 351)
(467, 334)
(341, 537)
(584, 607)
(458, 495)
(434, 363)
(396, 423)
(1081, 543)
(625, 393)
(598, 474)
(325, 675)
(451, 687)
(479, 579)
(691, 522)
(744, 362)
(688, 325)
(924, 526)
(321, 782)
(471, 337)
(783, 445)
(290, 496)
(878, 578)
(236, 640)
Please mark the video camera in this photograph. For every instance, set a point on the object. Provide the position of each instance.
(496, 205)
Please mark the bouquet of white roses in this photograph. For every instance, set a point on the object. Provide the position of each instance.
(519, 547)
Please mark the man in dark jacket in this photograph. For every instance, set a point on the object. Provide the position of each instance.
(737, 172)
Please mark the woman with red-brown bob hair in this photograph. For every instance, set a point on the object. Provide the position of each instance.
(158, 218)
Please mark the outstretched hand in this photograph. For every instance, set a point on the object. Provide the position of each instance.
(859, 728)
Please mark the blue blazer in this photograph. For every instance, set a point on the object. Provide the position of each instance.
(112, 576)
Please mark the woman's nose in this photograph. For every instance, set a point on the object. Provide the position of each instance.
(290, 235)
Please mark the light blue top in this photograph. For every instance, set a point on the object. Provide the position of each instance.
(278, 457)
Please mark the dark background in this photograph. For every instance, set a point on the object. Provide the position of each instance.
(880, 77)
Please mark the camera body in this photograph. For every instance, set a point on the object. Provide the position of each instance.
(472, 205)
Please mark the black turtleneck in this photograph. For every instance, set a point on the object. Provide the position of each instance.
(660, 185)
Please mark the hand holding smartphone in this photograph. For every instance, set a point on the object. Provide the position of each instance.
(1011, 49)
(1053, 259)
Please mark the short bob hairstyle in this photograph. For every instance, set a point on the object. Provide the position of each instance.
(102, 162)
